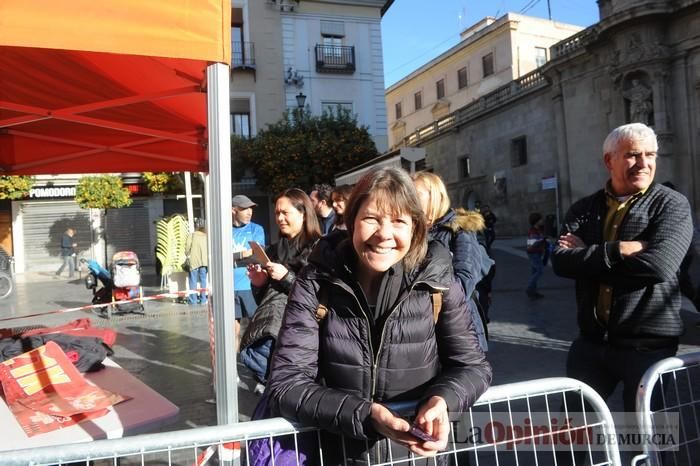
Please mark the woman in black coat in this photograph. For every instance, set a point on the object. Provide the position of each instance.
(271, 282)
(360, 331)
(456, 230)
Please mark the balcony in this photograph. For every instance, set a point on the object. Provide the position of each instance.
(335, 59)
(243, 55)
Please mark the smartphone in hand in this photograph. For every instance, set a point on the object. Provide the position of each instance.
(420, 434)
(404, 409)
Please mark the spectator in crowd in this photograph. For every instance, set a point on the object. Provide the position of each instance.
(299, 231)
(689, 278)
(361, 329)
(244, 231)
(456, 230)
(624, 245)
(198, 255)
(68, 253)
(490, 220)
(537, 250)
(321, 200)
(339, 199)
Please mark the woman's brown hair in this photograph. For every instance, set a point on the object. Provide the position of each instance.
(311, 229)
(343, 192)
(393, 191)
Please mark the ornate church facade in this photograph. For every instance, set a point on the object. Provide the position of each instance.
(536, 143)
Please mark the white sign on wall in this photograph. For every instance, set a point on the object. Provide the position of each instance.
(52, 191)
(549, 183)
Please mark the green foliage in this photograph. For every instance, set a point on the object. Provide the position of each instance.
(163, 182)
(171, 241)
(302, 149)
(15, 187)
(101, 192)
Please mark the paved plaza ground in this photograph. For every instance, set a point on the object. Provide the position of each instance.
(168, 348)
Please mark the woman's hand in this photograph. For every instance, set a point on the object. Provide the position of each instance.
(258, 276)
(433, 419)
(276, 271)
(390, 426)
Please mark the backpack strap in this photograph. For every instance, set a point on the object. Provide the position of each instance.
(436, 298)
(322, 309)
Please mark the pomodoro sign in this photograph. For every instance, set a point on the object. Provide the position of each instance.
(53, 191)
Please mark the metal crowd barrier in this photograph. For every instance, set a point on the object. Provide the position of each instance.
(670, 387)
(500, 429)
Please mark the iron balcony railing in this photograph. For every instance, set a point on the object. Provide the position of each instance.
(335, 59)
(243, 55)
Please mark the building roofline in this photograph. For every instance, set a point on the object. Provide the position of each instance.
(471, 39)
(386, 6)
(385, 156)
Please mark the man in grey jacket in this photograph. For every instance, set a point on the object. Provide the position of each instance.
(624, 245)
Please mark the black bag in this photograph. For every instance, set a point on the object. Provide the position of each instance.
(186, 265)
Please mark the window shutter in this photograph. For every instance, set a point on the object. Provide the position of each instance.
(333, 28)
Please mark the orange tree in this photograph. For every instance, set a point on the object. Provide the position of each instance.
(15, 187)
(102, 192)
(302, 149)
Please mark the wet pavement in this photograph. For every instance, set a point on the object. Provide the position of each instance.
(168, 347)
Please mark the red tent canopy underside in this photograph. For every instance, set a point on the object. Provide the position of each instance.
(90, 112)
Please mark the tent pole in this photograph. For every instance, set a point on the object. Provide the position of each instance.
(188, 202)
(220, 255)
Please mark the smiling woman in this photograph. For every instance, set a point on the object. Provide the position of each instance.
(379, 339)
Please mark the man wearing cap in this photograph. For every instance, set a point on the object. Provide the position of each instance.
(244, 231)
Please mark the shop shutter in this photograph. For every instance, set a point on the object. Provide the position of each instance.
(128, 229)
(44, 223)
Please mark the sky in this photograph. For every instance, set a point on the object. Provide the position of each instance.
(416, 31)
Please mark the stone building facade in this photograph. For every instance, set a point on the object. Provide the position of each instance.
(641, 62)
(490, 53)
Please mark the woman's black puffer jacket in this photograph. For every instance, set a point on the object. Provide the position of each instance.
(326, 374)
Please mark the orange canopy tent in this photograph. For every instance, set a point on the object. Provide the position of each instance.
(94, 87)
(99, 86)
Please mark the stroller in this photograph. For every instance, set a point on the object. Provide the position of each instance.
(120, 283)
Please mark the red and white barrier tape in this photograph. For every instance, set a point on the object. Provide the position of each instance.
(227, 452)
(177, 294)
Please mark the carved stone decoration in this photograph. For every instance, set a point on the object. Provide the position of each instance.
(638, 99)
(634, 50)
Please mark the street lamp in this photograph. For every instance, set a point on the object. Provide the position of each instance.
(301, 99)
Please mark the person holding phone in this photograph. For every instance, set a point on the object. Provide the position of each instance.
(362, 329)
(271, 281)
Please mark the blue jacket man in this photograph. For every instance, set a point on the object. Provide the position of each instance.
(243, 232)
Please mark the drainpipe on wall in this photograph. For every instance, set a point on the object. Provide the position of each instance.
(563, 173)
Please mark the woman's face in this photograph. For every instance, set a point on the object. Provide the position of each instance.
(338, 204)
(380, 239)
(423, 196)
(288, 218)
